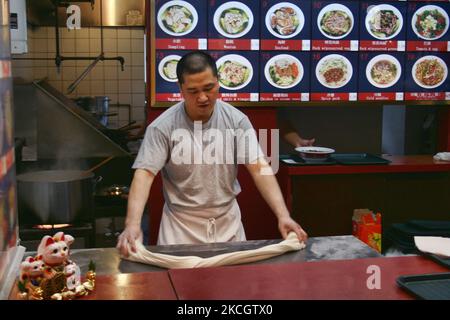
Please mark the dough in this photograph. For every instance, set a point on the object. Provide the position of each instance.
(175, 262)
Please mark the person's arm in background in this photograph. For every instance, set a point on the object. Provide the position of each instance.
(270, 191)
(290, 135)
(137, 199)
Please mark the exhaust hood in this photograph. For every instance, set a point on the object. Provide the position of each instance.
(116, 13)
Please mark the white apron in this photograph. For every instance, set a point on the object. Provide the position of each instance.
(197, 226)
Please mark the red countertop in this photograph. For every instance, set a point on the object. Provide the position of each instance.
(340, 279)
(128, 286)
(399, 164)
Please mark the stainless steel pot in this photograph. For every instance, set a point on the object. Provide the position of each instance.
(55, 196)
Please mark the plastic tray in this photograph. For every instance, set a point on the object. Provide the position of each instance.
(358, 158)
(295, 160)
(427, 286)
(441, 260)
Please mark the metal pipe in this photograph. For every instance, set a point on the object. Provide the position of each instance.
(74, 84)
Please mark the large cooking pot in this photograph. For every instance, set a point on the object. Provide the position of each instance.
(55, 196)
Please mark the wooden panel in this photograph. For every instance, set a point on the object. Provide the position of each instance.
(344, 279)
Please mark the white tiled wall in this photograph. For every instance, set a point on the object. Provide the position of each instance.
(105, 79)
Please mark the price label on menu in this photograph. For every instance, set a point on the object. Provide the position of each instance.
(285, 25)
(335, 26)
(382, 26)
(233, 25)
(428, 27)
(179, 25)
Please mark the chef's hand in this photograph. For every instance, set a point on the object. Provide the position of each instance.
(128, 237)
(287, 224)
(305, 142)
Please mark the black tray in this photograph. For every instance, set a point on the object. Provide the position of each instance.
(427, 286)
(295, 160)
(441, 260)
(358, 158)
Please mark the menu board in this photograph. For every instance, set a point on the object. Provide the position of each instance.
(428, 26)
(427, 76)
(166, 75)
(285, 25)
(335, 25)
(238, 74)
(382, 27)
(180, 25)
(233, 25)
(381, 76)
(269, 50)
(334, 76)
(285, 76)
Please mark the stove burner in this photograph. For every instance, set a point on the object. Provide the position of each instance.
(51, 226)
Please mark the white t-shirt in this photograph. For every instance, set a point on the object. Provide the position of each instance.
(199, 164)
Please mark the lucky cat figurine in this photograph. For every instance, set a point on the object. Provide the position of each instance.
(55, 250)
(73, 276)
(32, 269)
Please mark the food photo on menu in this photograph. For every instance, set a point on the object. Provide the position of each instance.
(286, 25)
(427, 27)
(382, 26)
(381, 76)
(233, 25)
(166, 75)
(335, 25)
(179, 25)
(286, 76)
(427, 76)
(238, 74)
(334, 76)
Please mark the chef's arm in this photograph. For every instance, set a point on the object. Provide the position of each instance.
(290, 135)
(267, 185)
(137, 199)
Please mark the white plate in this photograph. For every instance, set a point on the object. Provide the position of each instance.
(429, 7)
(291, 59)
(161, 67)
(332, 7)
(380, 57)
(429, 57)
(239, 59)
(230, 5)
(334, 56)
(298, 11)
(373, 10)
(184, 4)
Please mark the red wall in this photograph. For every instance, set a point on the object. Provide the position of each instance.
(259, 221)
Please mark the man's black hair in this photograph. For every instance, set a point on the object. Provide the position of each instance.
(195, 62)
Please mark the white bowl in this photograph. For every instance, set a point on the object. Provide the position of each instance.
(378, 58)
(440, 62)
(291, 59)
(429, 7)
(314, 153)
(334, 56)
(161, 67)
(333, 7)
(184, 4)
(229, 5)
(298, 11)
(239, 59)
(373, 10)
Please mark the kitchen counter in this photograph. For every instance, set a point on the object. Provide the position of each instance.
(322, 198)
(328, 268)
(108, 261)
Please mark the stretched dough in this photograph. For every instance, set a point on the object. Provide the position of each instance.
(175, 262)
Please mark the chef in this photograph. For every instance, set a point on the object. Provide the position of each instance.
(197, 145)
